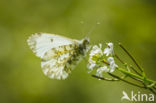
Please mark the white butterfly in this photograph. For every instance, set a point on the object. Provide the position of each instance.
(59, 54)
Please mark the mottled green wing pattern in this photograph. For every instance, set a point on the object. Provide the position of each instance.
(58, 62)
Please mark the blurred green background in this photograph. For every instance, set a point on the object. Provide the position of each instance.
(131, 22)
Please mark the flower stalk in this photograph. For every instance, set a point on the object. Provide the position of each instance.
(143, 73)
(103, 62)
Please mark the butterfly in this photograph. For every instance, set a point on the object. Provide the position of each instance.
(58, 54)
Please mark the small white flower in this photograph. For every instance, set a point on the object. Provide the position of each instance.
(109, 49)
(112, 65)
(100, 71)
(91, 66)
(96, 50)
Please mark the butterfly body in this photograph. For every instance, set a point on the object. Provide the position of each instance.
(59, 54)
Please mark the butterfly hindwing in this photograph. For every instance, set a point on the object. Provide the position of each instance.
(58, 62)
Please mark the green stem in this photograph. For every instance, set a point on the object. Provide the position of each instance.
(136, 76)
(106, 79)
(126, 64)
(132, 59)
(135, 70)
(119, 58)
(125, 80)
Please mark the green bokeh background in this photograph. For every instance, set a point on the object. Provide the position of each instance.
(132, 22)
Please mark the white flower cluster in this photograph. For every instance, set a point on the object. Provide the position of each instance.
(97, 59)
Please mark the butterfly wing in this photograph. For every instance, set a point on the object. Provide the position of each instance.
(40, 43)
(59, 54)
(58, 62)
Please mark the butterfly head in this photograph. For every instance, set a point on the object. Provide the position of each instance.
(84, 45)
(85, 41)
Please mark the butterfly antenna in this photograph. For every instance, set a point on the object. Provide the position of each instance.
(83, 27)
(93, 28)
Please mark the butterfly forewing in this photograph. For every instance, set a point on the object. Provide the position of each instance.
(42, 42)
